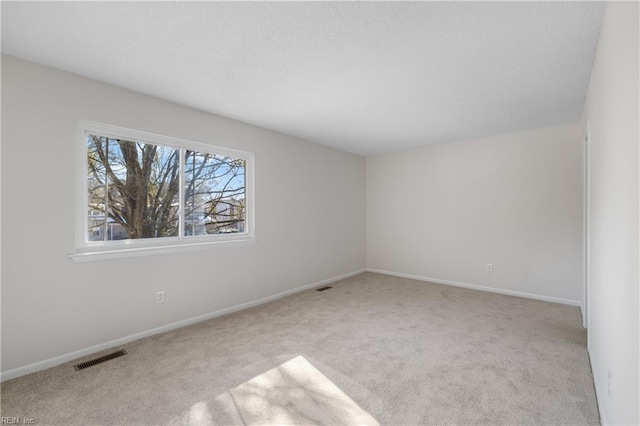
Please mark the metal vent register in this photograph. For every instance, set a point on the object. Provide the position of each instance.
(100, 360)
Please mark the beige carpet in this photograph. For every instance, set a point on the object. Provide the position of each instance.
(372, 350)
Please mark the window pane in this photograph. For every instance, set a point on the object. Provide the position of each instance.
(96, 178)
(135, 185)
(214, 194)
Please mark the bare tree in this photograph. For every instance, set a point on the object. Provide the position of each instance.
(137, 186)
(211, 183)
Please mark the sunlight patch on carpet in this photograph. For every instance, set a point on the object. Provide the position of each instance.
(200, 414)
(295, 392)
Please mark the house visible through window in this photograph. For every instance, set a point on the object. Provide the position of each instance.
(140, 189)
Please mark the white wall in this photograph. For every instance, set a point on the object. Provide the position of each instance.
(310, 204)
(612, 110)
(443, 212)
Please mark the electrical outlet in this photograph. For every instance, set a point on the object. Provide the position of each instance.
(160, 297)
(489, 267)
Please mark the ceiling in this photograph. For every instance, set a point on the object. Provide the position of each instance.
(364, 77)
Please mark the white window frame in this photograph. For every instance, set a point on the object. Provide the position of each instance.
(88, 251)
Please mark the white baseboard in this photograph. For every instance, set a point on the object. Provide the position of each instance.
(52, 362)
(596, 386)
(481, 288)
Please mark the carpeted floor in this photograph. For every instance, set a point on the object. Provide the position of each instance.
(373, 349)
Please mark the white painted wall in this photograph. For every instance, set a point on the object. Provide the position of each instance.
(310, 204)
(443, 212)
(612, 111)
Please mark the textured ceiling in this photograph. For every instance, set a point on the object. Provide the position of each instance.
(365, 77)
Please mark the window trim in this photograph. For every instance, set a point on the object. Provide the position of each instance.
(87, 251)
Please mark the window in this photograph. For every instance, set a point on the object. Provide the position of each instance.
(143, 193)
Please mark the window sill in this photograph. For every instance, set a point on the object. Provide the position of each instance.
(95, 255)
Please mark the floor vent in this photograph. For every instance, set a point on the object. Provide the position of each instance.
(327, 287)
(100, 360)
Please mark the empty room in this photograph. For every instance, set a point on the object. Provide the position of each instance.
(337, 213)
